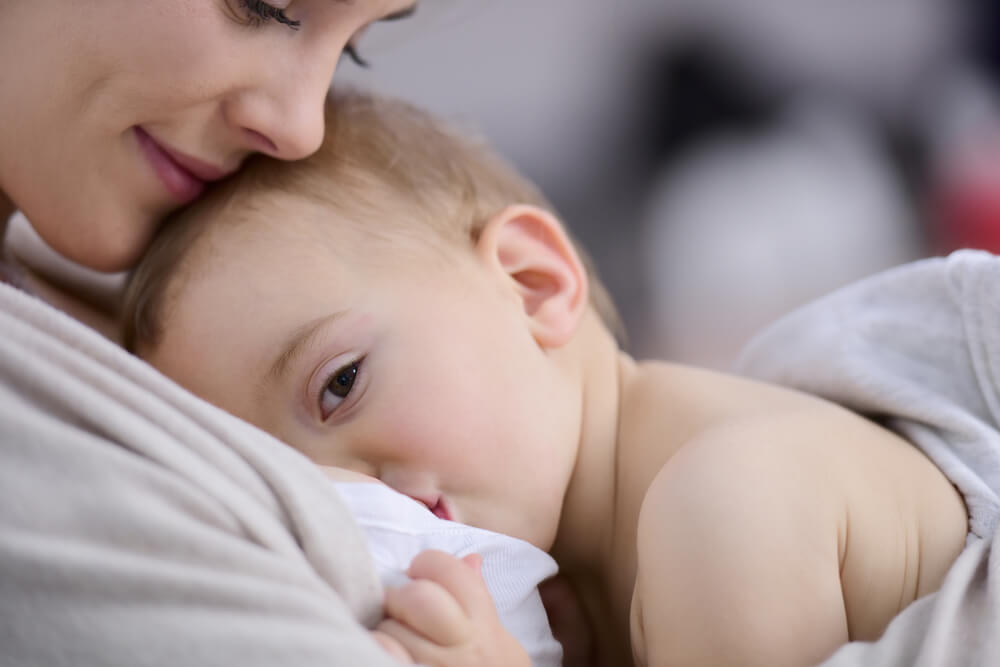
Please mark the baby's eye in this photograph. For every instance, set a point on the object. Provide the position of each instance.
(338, 386)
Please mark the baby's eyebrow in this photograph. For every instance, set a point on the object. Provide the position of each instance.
(299, 341)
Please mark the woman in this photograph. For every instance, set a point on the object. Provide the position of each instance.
(137, 525)
(133, 106)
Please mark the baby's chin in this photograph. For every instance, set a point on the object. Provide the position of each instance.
(344, 475)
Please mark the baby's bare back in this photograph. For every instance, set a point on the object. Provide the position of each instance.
(772, 526)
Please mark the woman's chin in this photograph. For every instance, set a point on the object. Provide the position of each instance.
(108, 242)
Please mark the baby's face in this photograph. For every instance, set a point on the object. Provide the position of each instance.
(410, 363)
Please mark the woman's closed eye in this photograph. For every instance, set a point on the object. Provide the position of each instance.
(259, 12)
(351, 51)
(337, 387)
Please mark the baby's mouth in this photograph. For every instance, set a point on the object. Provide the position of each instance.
(440, 510)
(436, 502)
(438, 506)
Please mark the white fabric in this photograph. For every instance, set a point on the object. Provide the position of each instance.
(398, 528)
(918, 348)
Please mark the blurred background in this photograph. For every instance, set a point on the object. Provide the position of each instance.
(724, 160)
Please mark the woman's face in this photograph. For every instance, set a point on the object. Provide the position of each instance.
(116, 112)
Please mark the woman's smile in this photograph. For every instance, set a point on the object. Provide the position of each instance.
(182, 175)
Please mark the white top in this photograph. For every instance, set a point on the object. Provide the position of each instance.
(398, 528)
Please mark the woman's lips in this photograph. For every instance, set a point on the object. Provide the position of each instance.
(183, 177)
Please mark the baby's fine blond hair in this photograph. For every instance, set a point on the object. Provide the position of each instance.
(384, 162)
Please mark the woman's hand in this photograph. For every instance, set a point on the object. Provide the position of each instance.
(445, 617)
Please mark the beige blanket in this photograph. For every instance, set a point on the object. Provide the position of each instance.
(142, 526)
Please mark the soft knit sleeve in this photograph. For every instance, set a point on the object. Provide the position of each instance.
(142, 526)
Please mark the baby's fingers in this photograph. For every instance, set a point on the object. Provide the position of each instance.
(392, 646)
(459, 577)
(429, 610)
(417, 647)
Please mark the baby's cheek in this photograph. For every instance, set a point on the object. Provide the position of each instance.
(427, 437)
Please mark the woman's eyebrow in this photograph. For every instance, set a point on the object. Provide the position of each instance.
(299, 341)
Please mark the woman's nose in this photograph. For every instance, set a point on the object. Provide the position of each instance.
(282, 115)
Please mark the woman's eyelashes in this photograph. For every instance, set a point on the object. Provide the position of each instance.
(337, 387)
(261, 12)
(351, 51)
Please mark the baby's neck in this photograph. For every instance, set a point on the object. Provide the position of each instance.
(585, 528)
(591, 533)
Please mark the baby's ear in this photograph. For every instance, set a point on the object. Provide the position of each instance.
(530, 248)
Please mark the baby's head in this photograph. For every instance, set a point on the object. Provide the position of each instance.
(398, 304)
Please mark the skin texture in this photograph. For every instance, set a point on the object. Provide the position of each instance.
(700, 518)
(191, 73)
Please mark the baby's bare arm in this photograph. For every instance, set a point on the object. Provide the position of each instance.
(774, 541)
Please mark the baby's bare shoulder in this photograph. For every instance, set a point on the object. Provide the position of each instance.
(745, 531)
(737, 555)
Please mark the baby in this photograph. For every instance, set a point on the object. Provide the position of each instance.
(405, 305)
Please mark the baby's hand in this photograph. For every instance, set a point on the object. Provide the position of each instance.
(445, 617)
